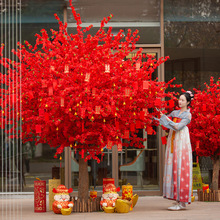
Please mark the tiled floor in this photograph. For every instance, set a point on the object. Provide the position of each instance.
(22, 208)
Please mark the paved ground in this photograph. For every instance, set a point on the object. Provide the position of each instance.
(149, 207)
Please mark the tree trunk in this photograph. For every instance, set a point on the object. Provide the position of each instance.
(83, 188)
(215, 174)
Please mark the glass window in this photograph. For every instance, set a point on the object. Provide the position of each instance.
(192, 39)
(140, 167)
(143, 15)
(37, 161)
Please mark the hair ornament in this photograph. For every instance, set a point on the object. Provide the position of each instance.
(191, 94)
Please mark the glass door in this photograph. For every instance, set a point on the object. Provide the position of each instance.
(138, 167)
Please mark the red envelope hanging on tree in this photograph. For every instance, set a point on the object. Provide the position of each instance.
(50, 90)
(149, 130)
(145, 84)
(138, 124)
(135, 86)
(46, 115)
(145, 110)
(117, 125)
(107, 68)
(132, 127)
(31, 95)
(157, 102)
(171, 103)
(93, 91)
(66, 69)
(52, 68)
(87, 78)
(82, 126)
(38, 129)
(127, 92)
(62, 102)
(28, 129)
(44, 83)
(97, 110)
(203, 107)
(83, 110)
(197, 144)
(54, 84)
(138, 65)
(142, 113)
(126, 134)
(109, 145)
(119, 146)
(41, 112)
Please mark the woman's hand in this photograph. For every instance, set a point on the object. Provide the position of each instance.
(166, 116)
(168, 119)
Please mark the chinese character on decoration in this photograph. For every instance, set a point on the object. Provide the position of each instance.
(87, 78)
(145, 84)
(107, 68)
(119, 146)
(52, 68)
(138, 65)
(66, 69)
(97, 109)
(62, 102)
(127, 92)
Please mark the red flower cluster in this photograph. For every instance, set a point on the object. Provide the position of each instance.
(205, 124)
(79, 91)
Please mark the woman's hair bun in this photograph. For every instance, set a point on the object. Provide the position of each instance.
(190, 94)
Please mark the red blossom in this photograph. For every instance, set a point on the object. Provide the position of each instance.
(205, 124)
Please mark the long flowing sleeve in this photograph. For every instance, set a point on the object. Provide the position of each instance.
(175, 126)
(169, 115)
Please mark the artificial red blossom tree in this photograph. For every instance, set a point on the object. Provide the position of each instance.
(79, 91)
(205, 125)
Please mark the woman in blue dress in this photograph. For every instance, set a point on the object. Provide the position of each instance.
(177, 181)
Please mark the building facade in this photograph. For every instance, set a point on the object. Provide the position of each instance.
(187, 31)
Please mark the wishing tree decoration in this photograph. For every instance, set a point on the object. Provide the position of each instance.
(205, 124)
(79, 91)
